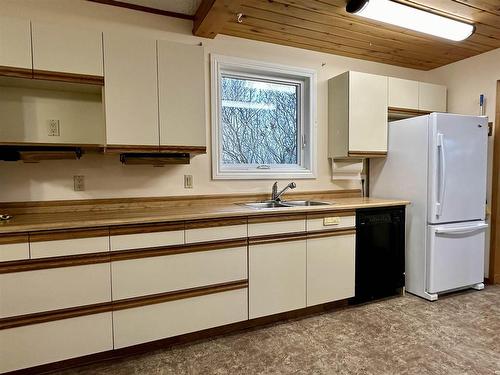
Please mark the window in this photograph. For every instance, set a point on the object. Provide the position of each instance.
(262, 120)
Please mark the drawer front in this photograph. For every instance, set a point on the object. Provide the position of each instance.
(145, 240)
(216, 233)
(276, 227)
(38, 344)
(157, 321)
(140, 277)
(45, 249)
(330, 222)
(330, 268)
(277, 277)
(14, 251)
(55, 288)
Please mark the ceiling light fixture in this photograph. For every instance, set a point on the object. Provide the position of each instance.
(411, 18)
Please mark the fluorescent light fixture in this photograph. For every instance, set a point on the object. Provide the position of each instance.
(411, 18)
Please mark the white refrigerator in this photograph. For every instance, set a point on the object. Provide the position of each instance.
(439, 163)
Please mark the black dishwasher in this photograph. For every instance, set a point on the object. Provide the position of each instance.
(380, 252)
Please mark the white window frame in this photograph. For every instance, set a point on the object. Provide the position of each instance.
(305, 79)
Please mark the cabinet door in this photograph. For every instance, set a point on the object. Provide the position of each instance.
(181, 80)
(432, 97)
(367, 112)
(276, 277)
(330, 268)
(131, 90)
(15, 43)
(68, 49)
(403, 93)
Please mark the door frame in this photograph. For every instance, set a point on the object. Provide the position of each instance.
(494, 266)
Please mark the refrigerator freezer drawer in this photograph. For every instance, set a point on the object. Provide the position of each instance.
(455, 255)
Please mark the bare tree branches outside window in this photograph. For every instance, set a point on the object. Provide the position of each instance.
(259, 121)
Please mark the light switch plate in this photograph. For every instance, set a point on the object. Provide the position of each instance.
(79, 183)
(333, 220)
(188, 181)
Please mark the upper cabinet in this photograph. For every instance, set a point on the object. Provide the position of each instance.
(15, 44)
(67, 49)
(404, 94)
(357, 106)
(431, 98)
(181, 81)
(131, 91)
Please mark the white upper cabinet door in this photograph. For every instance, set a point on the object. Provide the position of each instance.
(67, 49)
(15, 43)
(403, 93)
(367, 112)
(130, 90)
(181, 79)
(432, 97)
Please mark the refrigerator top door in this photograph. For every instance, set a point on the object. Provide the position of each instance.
(458, 148)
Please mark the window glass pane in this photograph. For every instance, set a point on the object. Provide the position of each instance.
(258, 121)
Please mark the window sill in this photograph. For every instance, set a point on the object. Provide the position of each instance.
(267, 175)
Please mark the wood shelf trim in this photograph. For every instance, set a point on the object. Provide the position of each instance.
(123, 149)
(367, 154)
(276, 217)
(68, 77)
(176, 249)
(68, 234)
(274, 238)
(146, 228)
(323, 214)
(54, 262)
(331, 233)
(408, 111)
(73, 312)
(13, 238)
(9, 71)
(212, 223)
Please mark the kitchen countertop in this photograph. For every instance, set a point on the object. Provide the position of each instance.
(91, 219)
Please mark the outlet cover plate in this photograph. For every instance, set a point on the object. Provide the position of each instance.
(53, 129)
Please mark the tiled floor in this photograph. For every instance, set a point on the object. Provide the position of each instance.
(459, 334)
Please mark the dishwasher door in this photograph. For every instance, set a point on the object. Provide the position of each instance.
(380, 247)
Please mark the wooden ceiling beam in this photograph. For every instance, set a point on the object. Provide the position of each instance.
(212, 15)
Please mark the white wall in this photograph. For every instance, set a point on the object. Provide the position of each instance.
(466, 80)
(105, 176)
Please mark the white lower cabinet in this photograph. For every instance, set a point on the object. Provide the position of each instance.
(14, 251)
(145, 276)
(54, 288)
(277, 277)
(157, 321)
(330, 268)
(53, 341)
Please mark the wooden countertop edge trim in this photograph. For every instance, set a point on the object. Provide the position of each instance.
(67, 234)
(128, 303)
(269, 218)
(8, 239)
(321, 215)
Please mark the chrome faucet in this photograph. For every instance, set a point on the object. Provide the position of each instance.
(276, 196)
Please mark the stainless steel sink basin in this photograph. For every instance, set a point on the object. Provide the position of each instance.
(305, 203)
(262, 205)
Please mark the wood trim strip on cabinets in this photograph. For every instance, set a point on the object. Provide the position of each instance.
(9, 71)
(276, 217)
(367, 154)
(408, 111)
(122, 149)
(273, 238)
(211, 223)
(130, 303)
(72, 312)
(68, 234)
(13, 238)
(146, 228)
(183, 149)
(321, 215)
(49, 316)
(56, 262)
(176, 249)
(331, 233)
(68, 77)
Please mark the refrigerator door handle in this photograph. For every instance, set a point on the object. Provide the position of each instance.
(442, 174)
(461, 230)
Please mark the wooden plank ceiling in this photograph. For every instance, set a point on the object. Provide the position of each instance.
(325, 26)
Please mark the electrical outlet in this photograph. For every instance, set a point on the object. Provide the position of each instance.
(53, 128)
(79, 183)
(188, 181)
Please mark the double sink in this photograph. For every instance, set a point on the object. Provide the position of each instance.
(280, 204)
